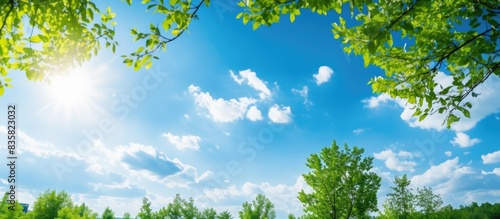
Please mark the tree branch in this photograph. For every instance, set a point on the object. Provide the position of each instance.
(12, 5)
(393, 22)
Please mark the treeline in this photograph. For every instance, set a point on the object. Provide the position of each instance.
(58, 205)
(343, 187)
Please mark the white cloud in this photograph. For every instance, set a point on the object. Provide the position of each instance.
(303, 93)
(495, 171)
(463, 140)
(186, 116)
(358, 131)
(186, 177)
(183, 142)
(254, 114)
(323, 75)
(442, 175)
(482, 106)
(393, 160)
(374, 102)
(220, 110)
(40, 149)
(491, 158)
(253, 81)
(448, 153)
(280, 114)
(485, 195)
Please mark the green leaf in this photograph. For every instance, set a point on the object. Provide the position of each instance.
(445, 91)
(133, 31)
(129, 2)
(338, 9)
(175, 32)
(292, 18)
(371, 47)
(137, 66)
(245, 19)
(166, 24)
(2, 90)
(35, 39)
(150, 63)
(296, 11)
(412, 99)
(128, 62)
(366, 59)
(389, 41)
(417, 112)
(452, 119)
(466, 113)
(468, 105)
(422, 117)
(255, 25)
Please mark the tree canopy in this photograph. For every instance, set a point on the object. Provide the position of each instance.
(342, 182)
(260, 208)
(458, 38)
(336, 191)
(6, 210)
(49, 203)
(43, 39)
(108, 214)
(403, 203)
(412, 41)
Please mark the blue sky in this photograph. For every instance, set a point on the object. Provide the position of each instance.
(227, 113)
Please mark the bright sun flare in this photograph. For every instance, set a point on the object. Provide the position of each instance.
(72, 94)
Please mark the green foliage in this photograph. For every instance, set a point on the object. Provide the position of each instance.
(178, 15)
(207, 213)
(224, 215)
(43, 39)
(49, 203)
(343, 185)
(400, 202)
(260, 208)
(460, 38)
(179, 208)
(146, 212)
(108, 214)
(7, 211)
(76, 212)
(127, 216)
(428, 202)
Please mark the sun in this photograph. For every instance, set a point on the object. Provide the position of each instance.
(73, 94)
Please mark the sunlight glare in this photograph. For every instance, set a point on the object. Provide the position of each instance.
(72, 94)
